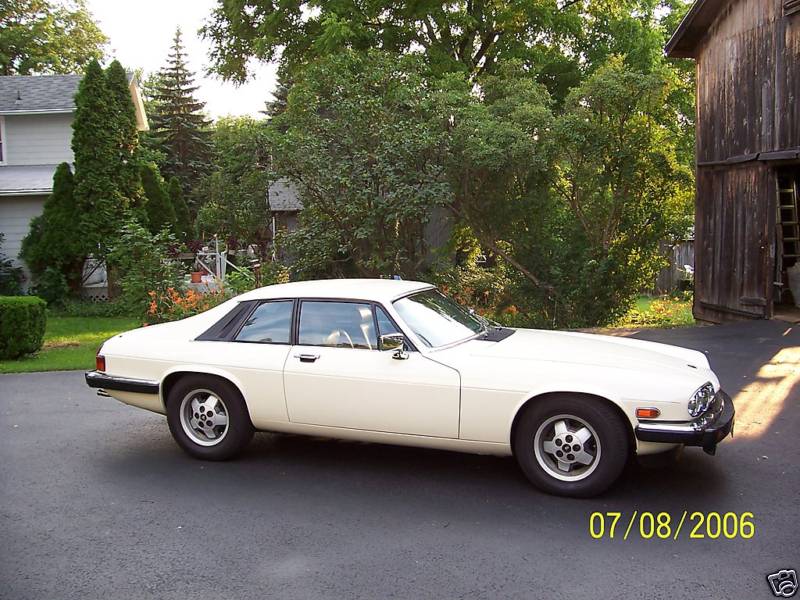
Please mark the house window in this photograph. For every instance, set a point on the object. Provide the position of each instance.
(791, 7)
(2, 140)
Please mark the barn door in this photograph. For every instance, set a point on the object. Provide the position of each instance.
(735, 242)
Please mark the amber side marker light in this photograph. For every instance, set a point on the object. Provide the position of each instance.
(100, 362)
(647, 413)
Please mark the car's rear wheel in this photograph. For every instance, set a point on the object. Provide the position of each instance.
(571, 445)
(208, 417)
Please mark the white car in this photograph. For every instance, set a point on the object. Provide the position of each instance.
(398, 362)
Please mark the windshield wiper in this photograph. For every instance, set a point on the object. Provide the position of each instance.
(485, 323)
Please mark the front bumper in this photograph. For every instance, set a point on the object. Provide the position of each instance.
(706, 431)
(101, 381)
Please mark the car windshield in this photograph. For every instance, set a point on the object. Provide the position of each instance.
(436, 319)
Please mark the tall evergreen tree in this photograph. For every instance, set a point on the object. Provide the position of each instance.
(125, 132)
(160, 212)
(95, 146)
(280, 97)
(185, 228)
(53, 240)
(178, 121)
(105, 145)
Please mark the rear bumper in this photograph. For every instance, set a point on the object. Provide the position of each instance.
(98, 380)
(706, 431)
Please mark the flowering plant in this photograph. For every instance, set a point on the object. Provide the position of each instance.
(174, 304)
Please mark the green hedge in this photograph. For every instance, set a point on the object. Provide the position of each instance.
(22, 321)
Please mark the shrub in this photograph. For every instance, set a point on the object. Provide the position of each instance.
(146, 265)
(52, 242)
(52, 286)
(22, 321)
(239, 282)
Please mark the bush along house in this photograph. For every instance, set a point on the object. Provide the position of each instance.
(747, 226)
(36, 114)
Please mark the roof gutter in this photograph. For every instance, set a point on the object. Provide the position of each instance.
(29, 192)
(44, 111)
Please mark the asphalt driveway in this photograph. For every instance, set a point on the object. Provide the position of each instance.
(96, 501)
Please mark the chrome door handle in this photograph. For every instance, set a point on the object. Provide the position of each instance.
(307, 357)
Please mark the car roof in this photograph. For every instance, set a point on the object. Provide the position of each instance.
(379, 290)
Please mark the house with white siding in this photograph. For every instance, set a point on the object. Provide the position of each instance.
(36, 114)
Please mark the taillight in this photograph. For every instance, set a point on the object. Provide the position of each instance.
(100, 362)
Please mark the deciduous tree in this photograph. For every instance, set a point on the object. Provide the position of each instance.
(235, 193)
(44, 36)
(471, 37)
(359, 139)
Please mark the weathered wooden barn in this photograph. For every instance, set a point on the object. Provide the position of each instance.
(748, 153)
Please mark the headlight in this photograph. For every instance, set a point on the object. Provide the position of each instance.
(701, 400)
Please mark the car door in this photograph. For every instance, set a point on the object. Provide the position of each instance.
(252, 343)
(335, 376)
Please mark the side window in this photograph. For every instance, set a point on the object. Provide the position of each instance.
(270, 323)
(385, 324)
(337, 324)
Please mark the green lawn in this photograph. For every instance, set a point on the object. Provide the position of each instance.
(70, 343)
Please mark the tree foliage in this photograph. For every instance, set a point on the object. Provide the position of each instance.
(46, 36)
(466, 36)
(177, 121)
(360, 141)
(52, 240)
(105, 145)
(554, 132)
(235, 193)
(159, 208)
(125, 132)
(620, 190)
(183, 218)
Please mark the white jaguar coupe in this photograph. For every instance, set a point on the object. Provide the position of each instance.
(399, 362)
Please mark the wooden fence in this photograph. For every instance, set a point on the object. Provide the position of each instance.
(669, 278)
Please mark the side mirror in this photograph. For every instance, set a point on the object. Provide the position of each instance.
(393, 342)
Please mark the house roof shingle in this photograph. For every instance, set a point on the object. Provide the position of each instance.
(38, 93)
(26, 179)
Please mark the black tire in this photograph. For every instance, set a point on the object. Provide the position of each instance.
(611, 432)
(239, 430)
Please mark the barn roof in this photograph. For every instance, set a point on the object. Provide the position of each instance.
(684, 42)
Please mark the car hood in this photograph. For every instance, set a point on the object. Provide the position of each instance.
(587, 349)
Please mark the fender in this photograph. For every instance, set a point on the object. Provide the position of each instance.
(203, 370)
(570, 387)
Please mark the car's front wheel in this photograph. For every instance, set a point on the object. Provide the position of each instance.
(571, 445)
(208, 418)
